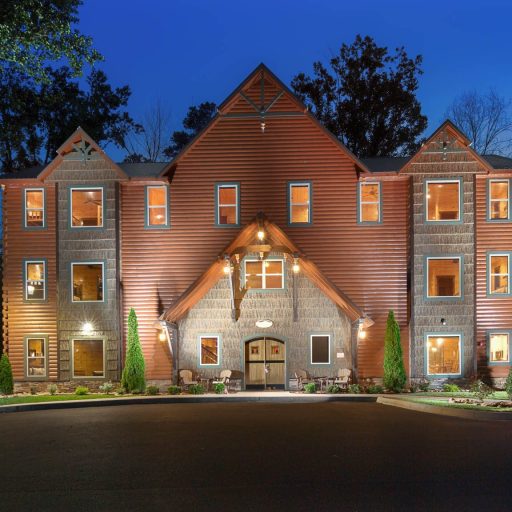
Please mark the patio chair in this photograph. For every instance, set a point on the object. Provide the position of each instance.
(225, 375)
(303, 378)
(186, 378)
(343, 377)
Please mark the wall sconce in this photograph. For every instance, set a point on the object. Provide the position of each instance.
(296, 266)
(261, 235)
(262, 126)
(161, 335)
(87, 328)
(443, 321)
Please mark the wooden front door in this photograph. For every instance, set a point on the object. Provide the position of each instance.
(264, 364)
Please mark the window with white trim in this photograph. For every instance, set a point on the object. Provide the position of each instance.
(88, 358)
(35, 280)
(369, 202)
(443, 200)
(499, 199)
(87, 281)
(86, 207)
(209, 350)
(34, 208)
(264, 274)
(300, 203)
(320, 348)
(36, 356)
(443, 354)
(499, 274)
(157, 214)
(443, 277)
(499, 347)
(227, 204)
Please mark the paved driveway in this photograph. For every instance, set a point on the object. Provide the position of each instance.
(256, 456)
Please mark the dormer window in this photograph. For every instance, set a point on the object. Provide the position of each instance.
(86, 207)
(443, 200)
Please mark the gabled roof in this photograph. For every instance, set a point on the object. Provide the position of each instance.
(246, 241)
(259, 72)
(78, 136)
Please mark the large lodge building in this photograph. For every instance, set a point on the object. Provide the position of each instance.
(265, 248)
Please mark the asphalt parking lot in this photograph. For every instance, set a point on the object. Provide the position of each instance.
(252, 456)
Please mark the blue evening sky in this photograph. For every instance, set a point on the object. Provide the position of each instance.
(185, 52)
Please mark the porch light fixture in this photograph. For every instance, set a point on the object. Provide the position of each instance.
(87, 328)
(161, 335)
(227, 265)
(296, 266)
(362, 334)
(261, 235)
(264, 324)
(262, 126)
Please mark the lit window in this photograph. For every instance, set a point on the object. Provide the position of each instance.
(36, 357)
(499, 198)
(35, 280)
(320, 349)
(87, 279)
(157, 214)
(227, 204)
(34, 208)
(443, 201)
(443, 355)
(369, 202)
(499, 347)
(88, 358)
(443, 277)
(300, 203)
(267, 274)
(86, 207)
(499, 274)
(209, 350)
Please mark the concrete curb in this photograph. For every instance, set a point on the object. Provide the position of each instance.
(142, 400)
(445, 411)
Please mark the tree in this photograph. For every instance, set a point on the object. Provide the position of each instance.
(394, 370)
(196, 119)
(133, 379)
(35, 118)
(36, 32)
(6, 380)
(508, 384)
(147, 143)
(367, 98)
(485, 119)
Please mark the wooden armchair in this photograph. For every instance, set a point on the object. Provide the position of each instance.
(343, 378)
(186, 378)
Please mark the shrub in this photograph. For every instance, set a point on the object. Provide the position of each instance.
(394, 370)
(219, 388)
(508, 384)
(424, 385)
(133, 379)
(81, 390)
(196, 389)
(6, 380)
(333, 389)
(451, 388)
(374, 389)
(481, 390)
(174, 390)
(52, 389)
(152, 390)
(107, 387)
(310, 387)
(33, 390)
(354, 389)
(120, 390)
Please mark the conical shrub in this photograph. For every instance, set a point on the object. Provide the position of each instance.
(6, 380)
(394, 370)
(133, 379)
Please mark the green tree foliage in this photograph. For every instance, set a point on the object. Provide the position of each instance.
(34, 33)
(394, 370)
(196, 119)
(367, 98)
(6, 380)
(133, 379)
(508, 384)
(35, 118)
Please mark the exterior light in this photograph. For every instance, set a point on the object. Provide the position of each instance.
(296, 266)
(87, 328)
(262, 126)
(443, 321)
(264, 324)
(362, 334)
(227, 268)
(261, 234)
(162, 336)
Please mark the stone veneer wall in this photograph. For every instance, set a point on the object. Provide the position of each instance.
(316, 314)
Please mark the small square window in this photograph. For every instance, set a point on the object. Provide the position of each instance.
(87, 280)
(264, 274)
(499, 347)
(34, 208)
(86, 207)
(35, 280)
(299, 203)
(88, 358)
(320, 349)
(444, 277)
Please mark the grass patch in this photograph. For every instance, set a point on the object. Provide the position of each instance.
(31, 399)
(472, 407)
(496, 395)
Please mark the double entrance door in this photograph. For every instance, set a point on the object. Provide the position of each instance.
(265, 364)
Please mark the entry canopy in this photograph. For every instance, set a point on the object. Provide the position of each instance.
(247, 241)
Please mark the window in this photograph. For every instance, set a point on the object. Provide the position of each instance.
(157, 209)
(444, 277)
(209, 351)
(88, 358)
(34, 208)
(443, 200)
(299, 195)
(499, 200)
(35, 280)
(264, 274)
(36, 356)
(87, 279)
(369, 202)
(443, 354)
(228, 204)
(499, 274)
(320, 349)
(86, 207)
(499, 347)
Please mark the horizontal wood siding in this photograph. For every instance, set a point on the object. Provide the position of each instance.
(491, 312)
(368, 263)
(20, 318)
